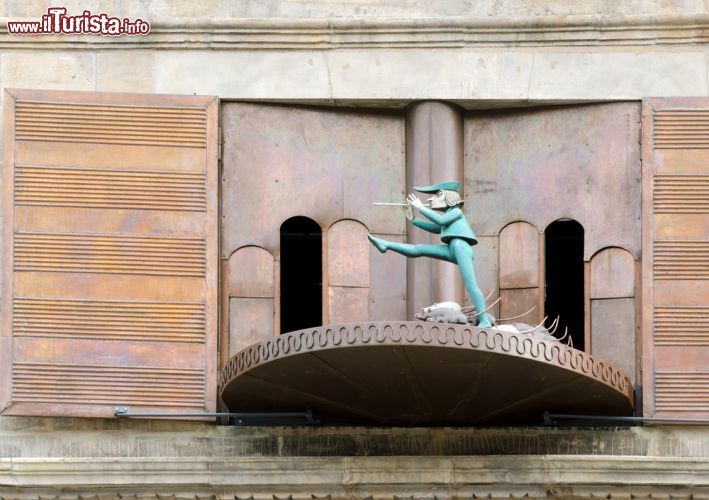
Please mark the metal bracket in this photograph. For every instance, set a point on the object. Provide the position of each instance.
(551, 419)
(274, 418)
(121, 411)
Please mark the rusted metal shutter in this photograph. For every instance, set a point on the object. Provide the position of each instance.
(348, 274)
(110, 253)
(520, 261)
(675, 267)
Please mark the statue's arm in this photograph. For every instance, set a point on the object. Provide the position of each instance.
(442, 220)
(427, 226)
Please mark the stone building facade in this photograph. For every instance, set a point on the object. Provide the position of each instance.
(527, 98)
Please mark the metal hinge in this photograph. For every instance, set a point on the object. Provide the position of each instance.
(219, 143)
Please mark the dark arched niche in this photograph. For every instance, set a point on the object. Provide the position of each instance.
(564, 275)
(301, 274)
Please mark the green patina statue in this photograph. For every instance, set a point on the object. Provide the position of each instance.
(446, 218)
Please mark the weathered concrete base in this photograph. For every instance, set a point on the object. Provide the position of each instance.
(77, 438)
(80, 458)
(357, 477)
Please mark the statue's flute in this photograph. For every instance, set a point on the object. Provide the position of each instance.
(395, 204)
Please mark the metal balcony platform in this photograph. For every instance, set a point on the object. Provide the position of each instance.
(421, 374)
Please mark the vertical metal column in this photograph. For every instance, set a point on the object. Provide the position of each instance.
(434, 153)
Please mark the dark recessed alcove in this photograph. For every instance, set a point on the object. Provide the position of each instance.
(564, 289)
(301, 274)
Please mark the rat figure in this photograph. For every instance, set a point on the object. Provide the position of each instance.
(443, 312)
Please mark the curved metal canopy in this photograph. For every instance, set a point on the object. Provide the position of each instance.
(415, 373)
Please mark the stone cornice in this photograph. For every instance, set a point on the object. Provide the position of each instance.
(388, 33)
(356, 477)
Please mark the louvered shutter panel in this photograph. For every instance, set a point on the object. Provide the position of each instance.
(675, 267)
(110, 253)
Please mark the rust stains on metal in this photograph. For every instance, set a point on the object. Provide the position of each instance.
(578, 162)
(325, 164)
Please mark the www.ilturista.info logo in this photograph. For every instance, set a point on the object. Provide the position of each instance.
(55, 21)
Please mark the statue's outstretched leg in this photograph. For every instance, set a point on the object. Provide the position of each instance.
(464, 255)
(440, 252)
(382, 245)
(458, 251)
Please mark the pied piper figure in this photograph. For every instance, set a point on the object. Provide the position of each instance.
(447, 219)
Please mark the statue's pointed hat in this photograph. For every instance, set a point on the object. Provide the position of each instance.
(448, 186)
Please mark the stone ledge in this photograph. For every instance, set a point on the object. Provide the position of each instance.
(140, 439)
(422, 32)
(347, 477)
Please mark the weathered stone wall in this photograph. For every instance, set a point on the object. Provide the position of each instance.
(75, 458)
(346, 51)
(181, 10)
(24, 438)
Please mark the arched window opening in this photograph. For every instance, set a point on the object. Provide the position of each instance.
(564, 289)
(301, 274)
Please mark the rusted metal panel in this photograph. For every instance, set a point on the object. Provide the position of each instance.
(519, 256)
(487, 271)
(587, 341)
(679, 125)
(579, 162)
(681, 325)
(681, 259)
(250, 302)
(681, 393)
(612, 274)
(126, 354)
(673, 226)
(251, 273)
(168, 288)
(680, 193)
(517, 301)
(613, 332)
(5, 371)
(250, 320)
(434, 153)
(110, 296)
(648, 286)
(675, 256)
(325, 164)
(415, 373)
(6, 293)
(678, 161)
(668, 358)
(348, 254)
(158, 158)
(519, 272)
(348, 304)
(223, 315)
(681, 292)
(387, 293)
(71, 219)
(5, 335)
